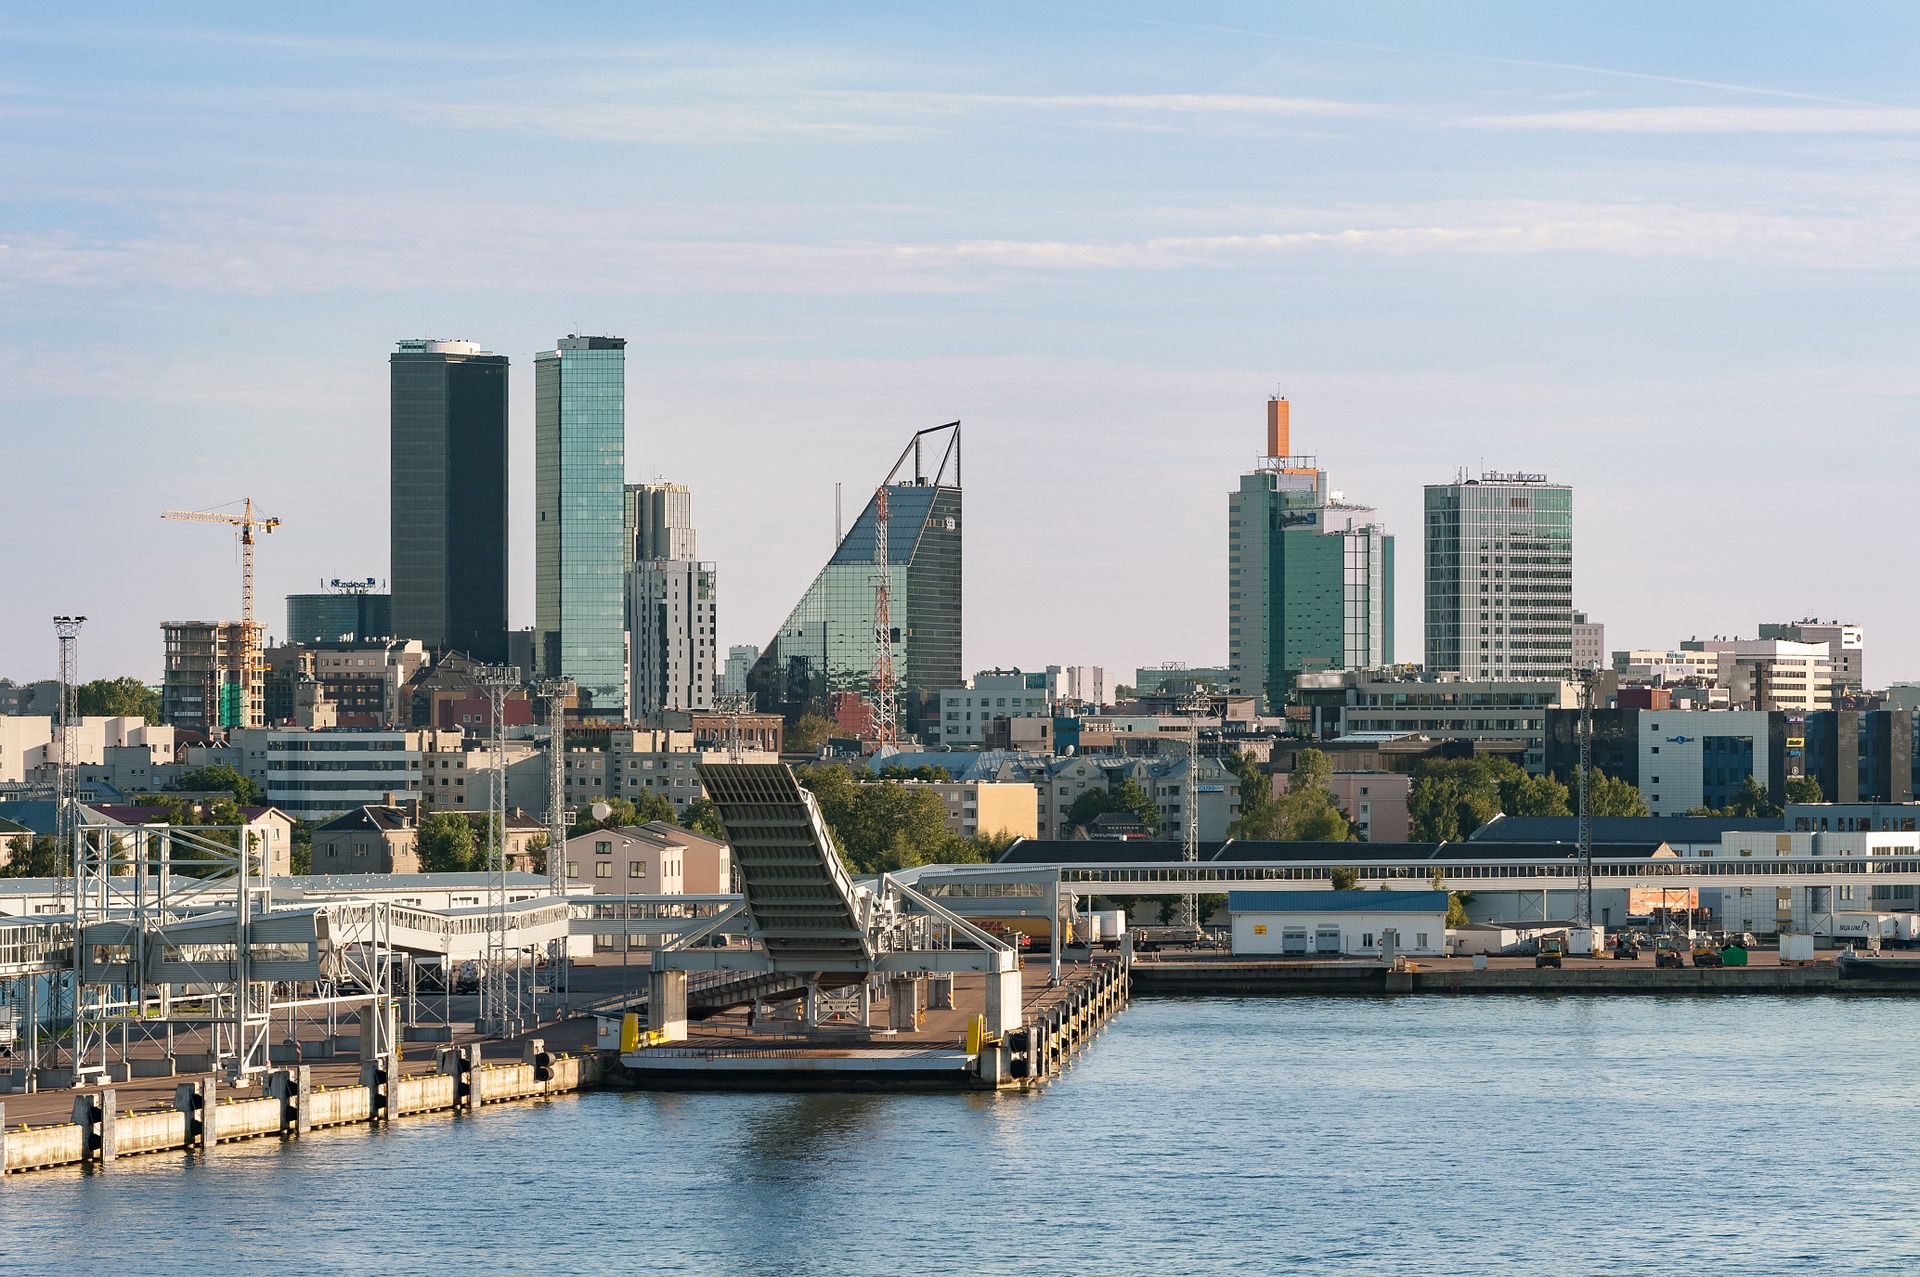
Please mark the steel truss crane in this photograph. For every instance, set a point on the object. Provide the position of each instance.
(252, 663)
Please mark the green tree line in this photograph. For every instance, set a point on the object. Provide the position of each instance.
(882, 825)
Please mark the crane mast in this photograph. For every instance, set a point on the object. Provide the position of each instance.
(252, 662)
(886, 701)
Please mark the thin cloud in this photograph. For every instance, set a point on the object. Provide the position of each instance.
(1711, 119)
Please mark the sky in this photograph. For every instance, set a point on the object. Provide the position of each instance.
(1665, 254)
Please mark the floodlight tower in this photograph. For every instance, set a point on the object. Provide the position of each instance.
(500, 984)
(67, 752)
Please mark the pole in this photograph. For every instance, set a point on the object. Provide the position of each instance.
(1583, 904)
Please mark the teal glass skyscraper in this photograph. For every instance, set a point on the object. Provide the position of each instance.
(1309, 575)
(580, 462)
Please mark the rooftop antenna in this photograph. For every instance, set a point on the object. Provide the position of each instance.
(839, 528)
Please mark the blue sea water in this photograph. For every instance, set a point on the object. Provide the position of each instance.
(1412, 1135)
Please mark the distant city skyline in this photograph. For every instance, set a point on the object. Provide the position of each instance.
(1650, 255)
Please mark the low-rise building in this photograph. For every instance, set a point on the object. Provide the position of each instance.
(384, 839)
(628, 861)
(965, 711)
(989, 808)
(1338, 923)
(1460, 709)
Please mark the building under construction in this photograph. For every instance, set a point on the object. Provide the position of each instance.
(830, 646)
(204, 687)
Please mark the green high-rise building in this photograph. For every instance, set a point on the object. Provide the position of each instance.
(1309, 575)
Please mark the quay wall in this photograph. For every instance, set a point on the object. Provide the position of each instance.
(201, 1118)
(1228, 978)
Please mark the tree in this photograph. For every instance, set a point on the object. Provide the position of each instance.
(1751, 803)
(117, 698)
(1344, 877)
(1804, 789)
(220, 776)
(33, 856)
(809, 733)
(1094, 802)
(446, 844)
(537, 851)
(703, 818)
(881, 825)
(1128, 796)
(1611, 796)
(651, 806)
(1452, 797)
(1306, 812)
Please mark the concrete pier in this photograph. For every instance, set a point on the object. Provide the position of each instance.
(99, 1128)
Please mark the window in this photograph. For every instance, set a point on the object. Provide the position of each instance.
(636, 870)
(604, 869)
(1420, 939)
(603, 849)
(1366, 940)
(573, 869)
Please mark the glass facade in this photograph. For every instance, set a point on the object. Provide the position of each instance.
(1309, 583)
(579, 397)
(333, 618)
(448, 507)
(827, 644)
(1500, 578)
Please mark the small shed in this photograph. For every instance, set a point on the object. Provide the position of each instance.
(1307, 924)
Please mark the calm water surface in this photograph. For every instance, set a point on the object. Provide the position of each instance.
(1419, 1135)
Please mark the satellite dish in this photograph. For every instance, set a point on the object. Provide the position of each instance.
(601, 811)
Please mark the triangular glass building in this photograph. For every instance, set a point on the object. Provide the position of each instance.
(828, 643)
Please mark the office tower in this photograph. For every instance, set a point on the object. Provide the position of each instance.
(740, 659)
(344, 611)
(1309, 574)
(828, 645)
(1846, 646)
(449, 497)
(671, 609)
(659, 522)
(580, 458)
(1500, 577)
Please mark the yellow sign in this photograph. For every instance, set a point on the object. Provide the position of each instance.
(1259, 928)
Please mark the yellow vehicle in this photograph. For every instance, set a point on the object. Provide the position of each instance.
(1665, 954)
(1704, 953)
(1552, 952)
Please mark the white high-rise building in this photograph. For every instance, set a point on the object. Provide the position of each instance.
(740, 659)
(1500, 577)
(671, 612)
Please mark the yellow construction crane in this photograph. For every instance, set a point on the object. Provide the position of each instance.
(251, 661)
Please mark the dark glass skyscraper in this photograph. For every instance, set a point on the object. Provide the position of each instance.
(580, 473)
(828, 643)
(449, 497)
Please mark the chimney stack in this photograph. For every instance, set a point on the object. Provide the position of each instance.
(1279, 428)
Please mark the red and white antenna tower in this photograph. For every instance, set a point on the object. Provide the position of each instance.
(886, 700)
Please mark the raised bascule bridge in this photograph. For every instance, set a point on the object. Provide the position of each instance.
(813, 952)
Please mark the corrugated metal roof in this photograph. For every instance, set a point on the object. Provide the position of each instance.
(1336, 902)
(1621, 829)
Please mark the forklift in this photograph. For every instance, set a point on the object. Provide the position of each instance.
(1552, 951)
(1665, 954)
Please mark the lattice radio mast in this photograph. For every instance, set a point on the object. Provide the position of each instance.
(886, 701)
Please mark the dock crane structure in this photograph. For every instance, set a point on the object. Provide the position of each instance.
(251, 661)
